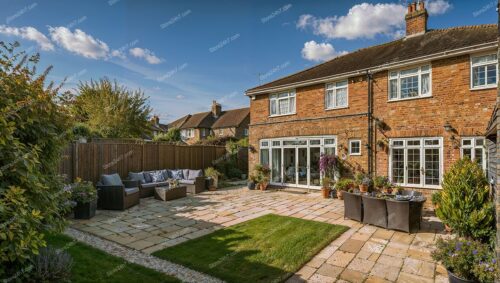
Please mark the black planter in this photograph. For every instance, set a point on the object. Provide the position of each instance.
(251, 185)
(85, 210)
(452, 278)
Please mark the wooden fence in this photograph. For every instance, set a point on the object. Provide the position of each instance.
(90, 160)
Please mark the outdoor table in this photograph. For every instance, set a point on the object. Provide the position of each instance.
(166, 193)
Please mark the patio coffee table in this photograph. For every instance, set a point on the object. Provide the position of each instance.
(166, 193)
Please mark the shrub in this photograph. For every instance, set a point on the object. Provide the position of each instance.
(234, 172)
(51, 265)
(34, 129)
(83, 191)
(381, 182)
(465, 204)
(212, 172)
(173, 135)
(467, 259)
(344, 184)
(262, 173)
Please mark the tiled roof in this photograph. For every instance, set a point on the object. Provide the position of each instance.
(199, 120)
(179, 122)
(231, 118)
(429, 43)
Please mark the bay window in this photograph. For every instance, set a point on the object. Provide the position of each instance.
(416, 162)
(336, 95)
(484, 71)
(282, 103)
(473, 148)
(410, 83)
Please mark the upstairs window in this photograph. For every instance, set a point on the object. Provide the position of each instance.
(410, 83)
(336, 95)
(282, 103)
(484, 71)
(355, 147)
(245, 132)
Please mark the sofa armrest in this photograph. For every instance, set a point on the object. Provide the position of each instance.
(101, 187)
(130, 183)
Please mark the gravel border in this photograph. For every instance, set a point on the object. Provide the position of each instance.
(134, 256)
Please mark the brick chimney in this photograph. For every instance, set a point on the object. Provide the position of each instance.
(216, 109)
(416, 19)
(155, 120)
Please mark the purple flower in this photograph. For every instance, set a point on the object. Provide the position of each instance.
(474, 252)
(494, 261)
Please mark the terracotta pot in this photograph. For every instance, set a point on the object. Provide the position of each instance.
(448, 228)
(263, 186)
(340, 195)
(326, 192)
(363, 188)
(388, 190)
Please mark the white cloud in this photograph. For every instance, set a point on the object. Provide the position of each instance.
(146, 54)
(79, 42)
(362, 21)
(180, 96)
(437, 7)
(118, 53)
(320, 52)
(28, 33)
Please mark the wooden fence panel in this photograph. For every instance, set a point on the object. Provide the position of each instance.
(90, 160)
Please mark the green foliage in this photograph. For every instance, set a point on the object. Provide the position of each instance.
(173, 135)
(344, 184)
(51, 265)
(234, 172)
(381, 182)
(111, 110)
(262, 173)
(468, 259)
(213, 140)
(83, 191)
(465, 204)
(81, 130)
(212, 172)
(34, 128)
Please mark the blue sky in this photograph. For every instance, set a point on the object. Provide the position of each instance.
(184, 54)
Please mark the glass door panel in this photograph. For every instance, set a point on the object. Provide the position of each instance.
(314, 154)
(289, 166)
(302, 166)
(432, 166)
(276, 168)
(414, 166)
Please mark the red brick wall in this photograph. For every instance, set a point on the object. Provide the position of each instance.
(468, 112)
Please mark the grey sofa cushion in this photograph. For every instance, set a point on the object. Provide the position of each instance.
(147, 177)
(148, 185)
(185, 174)
(176, 174)
(157, 176)
(111, 180)
(137, 177)
(129, 191)
(162, 184)
(193, 174)
(166, 174)
(186, 182)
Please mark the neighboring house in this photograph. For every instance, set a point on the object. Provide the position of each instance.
(157, 127)
(198, 126)
(407, 109)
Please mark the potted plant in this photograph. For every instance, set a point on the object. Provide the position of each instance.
(466, 260)
(366, 183)
(213, 174)
(399, 190)
(380, 182)
(252, 182)
(326, 187)
(85, 196)
(343, 185)
(388, 188)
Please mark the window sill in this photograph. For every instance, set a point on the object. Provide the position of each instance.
(355, 154)
(337, 108)
(281, 115)
(483, 87)
(428, 187)
(411, 98)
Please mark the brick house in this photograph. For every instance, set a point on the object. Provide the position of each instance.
(198, 126)
(406, 109)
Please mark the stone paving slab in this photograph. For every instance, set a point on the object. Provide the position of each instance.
(364, 253)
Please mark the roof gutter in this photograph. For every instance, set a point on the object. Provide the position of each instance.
(375, 69)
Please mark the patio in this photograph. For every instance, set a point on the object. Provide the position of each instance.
(362, 253)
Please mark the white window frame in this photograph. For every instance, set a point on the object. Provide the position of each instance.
(245, 132)
(474, 146)
(422, 148)
(350, 147)
(276, 99)
(188, 133)
(398, 77)
(333, 87)
(474, 65)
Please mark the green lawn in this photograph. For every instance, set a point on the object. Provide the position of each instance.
(266, 249)
(93, 265)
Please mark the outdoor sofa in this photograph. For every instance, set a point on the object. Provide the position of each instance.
(116, 194)
(149, 180)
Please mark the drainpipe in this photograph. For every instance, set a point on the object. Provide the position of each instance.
(369, 79)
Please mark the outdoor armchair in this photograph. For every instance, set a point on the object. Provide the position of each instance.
(115, 194)
(353, 206)
(374, 211)
(404, 215)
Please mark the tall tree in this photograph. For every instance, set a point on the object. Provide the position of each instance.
(111, 110)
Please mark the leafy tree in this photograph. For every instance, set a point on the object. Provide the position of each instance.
(34, 129)
(173, 135)
(465, 204)
(110, 110)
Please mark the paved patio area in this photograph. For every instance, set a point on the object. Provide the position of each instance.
(362, 254)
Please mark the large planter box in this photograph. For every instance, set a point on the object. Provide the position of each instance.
(85, 210)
